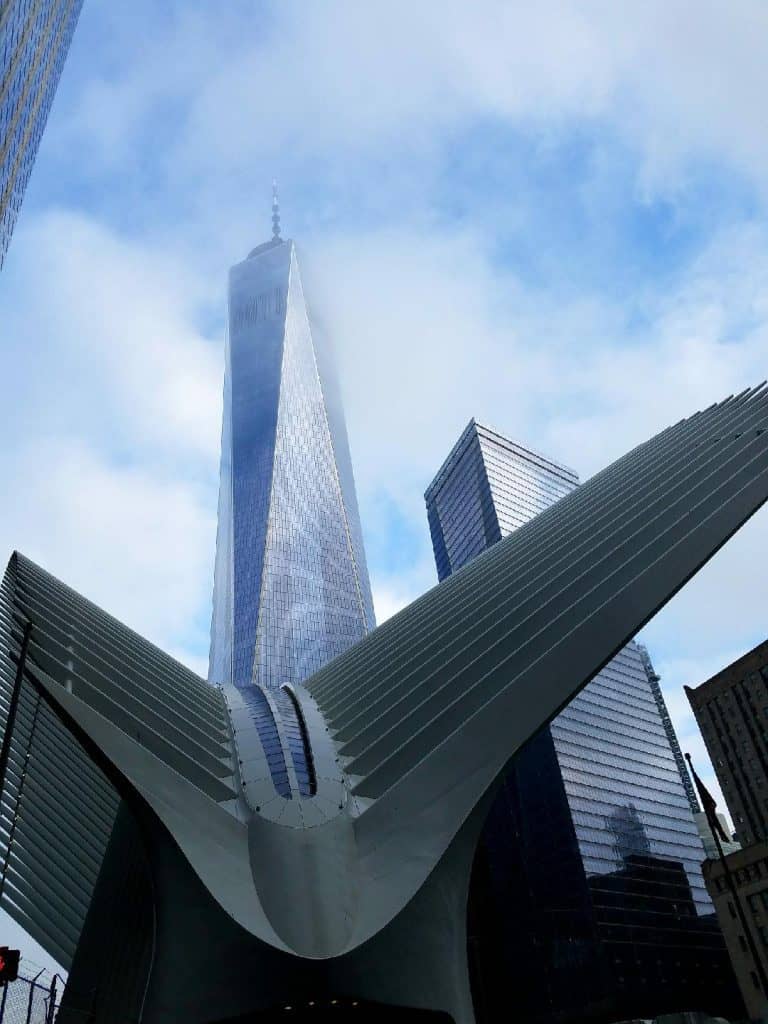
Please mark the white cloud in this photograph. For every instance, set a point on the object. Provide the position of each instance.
(137, 543)
(678, 80)
(112, 438)
(431, 334)
(104, 328)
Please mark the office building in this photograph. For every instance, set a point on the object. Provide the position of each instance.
(291, 587)
(731, 709)
(592, 841)
(748, 869)
(34, 41)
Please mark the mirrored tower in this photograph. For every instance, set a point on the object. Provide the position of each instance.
(291, 587)
(34, 42)
(587, 886)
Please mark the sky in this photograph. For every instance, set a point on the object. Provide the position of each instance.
(550, 217)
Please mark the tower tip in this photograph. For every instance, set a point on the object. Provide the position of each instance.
(275, 214)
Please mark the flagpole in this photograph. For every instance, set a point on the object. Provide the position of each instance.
(715, 828)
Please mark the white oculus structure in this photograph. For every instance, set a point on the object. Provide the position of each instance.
(221, 899)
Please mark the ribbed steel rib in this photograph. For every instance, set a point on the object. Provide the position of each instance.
(148, 695)
(56, 812)
(420, 678)
(57, 808)
(336, 684)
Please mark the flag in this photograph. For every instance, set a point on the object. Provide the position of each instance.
(708, 803)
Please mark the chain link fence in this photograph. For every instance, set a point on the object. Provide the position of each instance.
(33, 998)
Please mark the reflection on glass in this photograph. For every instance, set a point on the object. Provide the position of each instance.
(587, 892)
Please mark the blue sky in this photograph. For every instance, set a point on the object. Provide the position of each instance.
(551, 219)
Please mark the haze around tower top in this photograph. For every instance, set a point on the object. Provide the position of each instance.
(550, 217)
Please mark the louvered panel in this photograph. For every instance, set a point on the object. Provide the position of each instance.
(125, 679)
(57, 808)
(123, 709)
(52, 942)
(417, 681)
(436, 618)
(76, 883)
(130, 646)
(69, 640)
(81, 635)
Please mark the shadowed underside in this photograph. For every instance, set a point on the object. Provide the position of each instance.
(329, 885)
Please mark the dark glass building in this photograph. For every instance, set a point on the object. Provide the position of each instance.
(291, 587)
(587, 900)
(34, 41)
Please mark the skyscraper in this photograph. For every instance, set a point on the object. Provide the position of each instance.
(291, 587)
(34, 41)
(732, 711)
(591, 844)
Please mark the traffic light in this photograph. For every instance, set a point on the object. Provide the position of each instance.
(9, 964)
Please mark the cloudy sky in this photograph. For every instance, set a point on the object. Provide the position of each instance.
(548, 216)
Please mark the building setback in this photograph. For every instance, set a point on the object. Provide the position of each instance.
(291, 588)
(34, 41)
(587, 887)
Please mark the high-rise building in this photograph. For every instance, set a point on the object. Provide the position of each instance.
(34, 41)
(746, 927)
(291, 587)
(732, 711)
(587, 887)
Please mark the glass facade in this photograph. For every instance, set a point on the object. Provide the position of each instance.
(291, 587)
(587, 884)
(34, 41)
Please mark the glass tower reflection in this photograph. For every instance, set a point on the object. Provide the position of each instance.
(291, 587)
(587, 893)
(34, 42)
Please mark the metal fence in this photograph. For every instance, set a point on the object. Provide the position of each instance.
(32, 999)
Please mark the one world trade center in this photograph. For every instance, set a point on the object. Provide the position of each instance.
(291, 588)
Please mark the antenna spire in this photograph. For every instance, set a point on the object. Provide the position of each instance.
(275, 214)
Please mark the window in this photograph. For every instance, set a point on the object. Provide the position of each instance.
(755, 982)
(763, 933)
(730, 909)
(743, 943)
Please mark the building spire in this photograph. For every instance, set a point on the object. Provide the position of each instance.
(275, 214)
